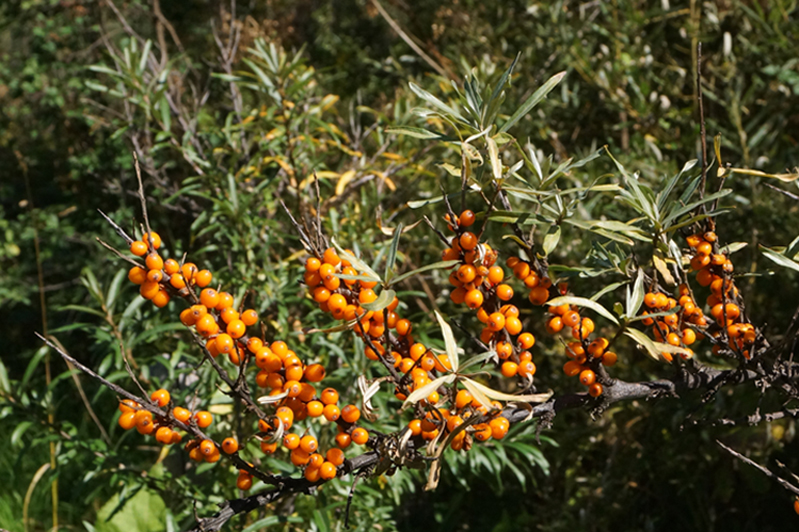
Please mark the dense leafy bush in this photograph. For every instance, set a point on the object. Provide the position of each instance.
(232, 118)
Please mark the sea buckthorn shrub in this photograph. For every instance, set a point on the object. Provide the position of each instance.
(512, 298)
(296, 419)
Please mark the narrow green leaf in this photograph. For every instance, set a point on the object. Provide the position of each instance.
(779, 259)
(551, 239)
(429, 98)
(392, 252)
(493, 155)
(415, 132)
(383, 300)
(533, 100)
(645, 342)
(635, 300)
(357, 263)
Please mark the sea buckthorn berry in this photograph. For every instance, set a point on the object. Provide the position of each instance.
(224, 343)
(403, 327)
(350, 413)
(650, 300)
(236, 328)
(181, 414)
(249, 317)
(467, 241)
(526, 368)
(463, 398)
(539, 295)
(154, 261)
(661, 300)
(164, 435)
(693, 240)
(482, 432)
(329, 396)
(504, 292)
(587, 377)
(291, 441)
(176, 437)
(254, 345)
(521, 270)
(466, 273)
(149, 290)
(504, 350)
(496, 274)
(230, 445)
(205, 324)
(177, 281)
(160, 397)
(572, 368)
(360, 436)
(203, 278)
(204, 419)
(496, 321)
(208, 448)
(609, 358)
(312, 264)
(315, 373)
(128, 405)
(571, 318)
(315, 408)
(137, 275)
(704, 277)
(309, 444)
(161, 299)
(555, 325)
(225, 301)
(458, 295)
(473, 299)
(171, 266)
(509, 369)
(138, 248)
(499, 427)
(466, 218)
(513, 325)
(595, 390)
(335, 457)
(328, 470)
(244, 482)
(330, 256)
(127, 420)
(343, 440)
(332, 412)
(152, 238)
(704, 248)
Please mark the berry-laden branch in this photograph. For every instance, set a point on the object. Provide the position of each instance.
(450, 409)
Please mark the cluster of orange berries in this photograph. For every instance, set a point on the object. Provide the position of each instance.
(672, 327)
(279, 369)
(134, 416)
(304, 450)
(447, 421)
(158, 273)
(343, 298)
(478, 283)
(714, 270)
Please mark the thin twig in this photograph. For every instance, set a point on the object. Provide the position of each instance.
(781, 481)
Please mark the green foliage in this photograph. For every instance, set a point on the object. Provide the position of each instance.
(220, 149)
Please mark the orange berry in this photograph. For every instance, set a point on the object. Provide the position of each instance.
(224, 343)
(513, 325)
(164, 435)
(343, 440)
(204, 419)
(335, 456)
(160, 397)
(309, 444)
(509, 369)
(499, 427)
(350, 413)
(315, 408)
(539, 295)
(555, 325)
(138, 248)
(403, 327)
(312, 264)
(154, 261)
(161, 299)
(504, 292)
(468, 241)
(127, 420)
(328, 470)
(466, 218)
(482, 432)
(149, 290)
(291, 441)
(249, 317)
(609, 358)
(571, 318)
(496, 321)
(330, 256)
(230, 445)
(521, 270)
(466, 273)
(329, 396)
(181, 414)
(360, 436)
(526, 368)
(244, 482)
(587, 377)
(595, 390)
(203, 278)
(137, 275)
(473, 299)
(572, 368)
(332, 412)
(236, 328)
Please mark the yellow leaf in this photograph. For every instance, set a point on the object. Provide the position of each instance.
(345, 178)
